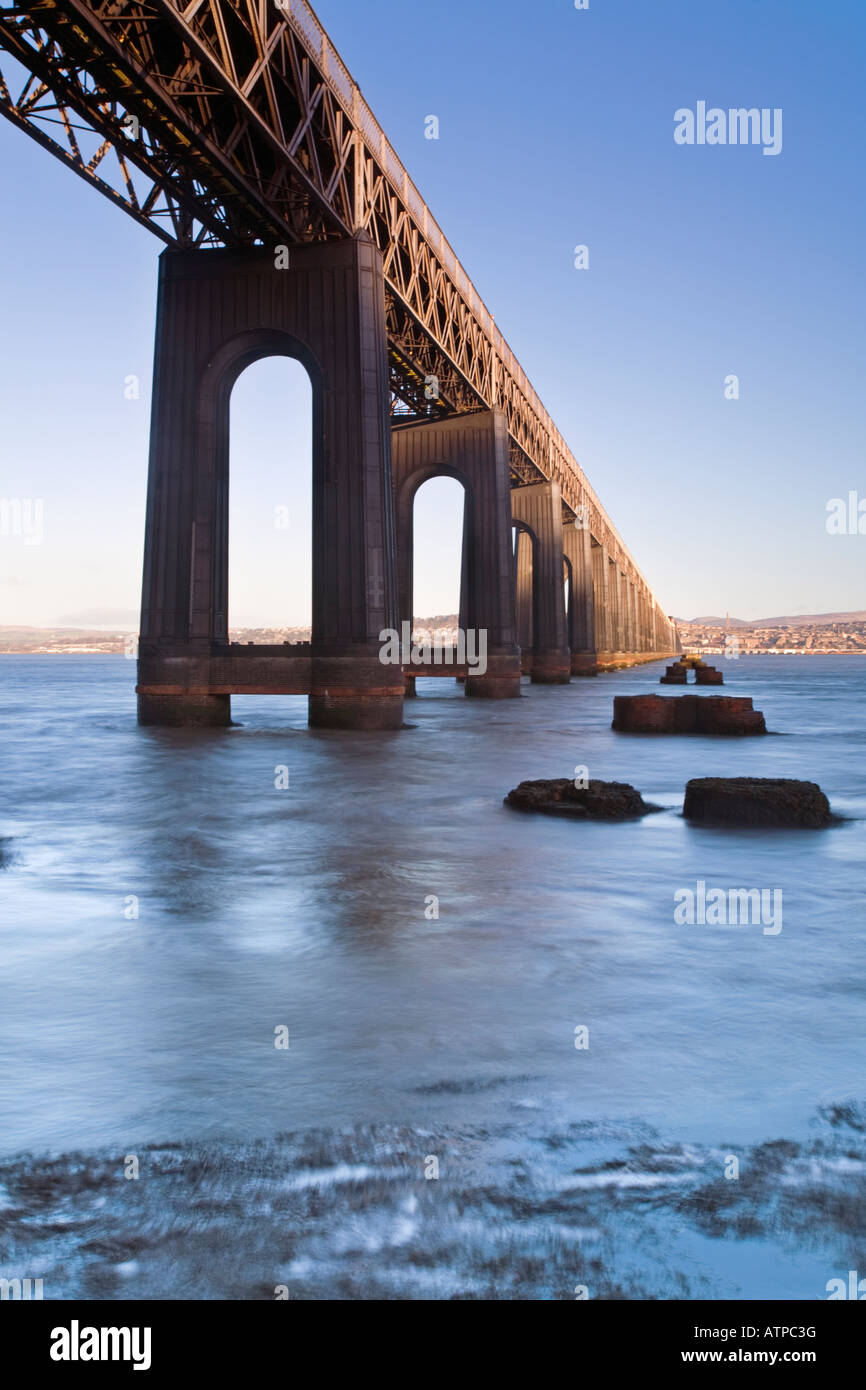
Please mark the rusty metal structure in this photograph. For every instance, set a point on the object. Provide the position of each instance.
(235, 123)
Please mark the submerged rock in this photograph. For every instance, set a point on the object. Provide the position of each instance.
(779, 801)
(597, 801)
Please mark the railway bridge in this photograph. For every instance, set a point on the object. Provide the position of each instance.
(233, 131)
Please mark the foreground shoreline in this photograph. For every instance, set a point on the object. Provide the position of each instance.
(527, 1211)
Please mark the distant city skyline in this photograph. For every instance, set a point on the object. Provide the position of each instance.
(21, 637)
(702, 265)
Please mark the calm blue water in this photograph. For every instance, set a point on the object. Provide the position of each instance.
(409, 1038)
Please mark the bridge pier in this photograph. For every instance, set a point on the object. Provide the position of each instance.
(601, 584)
(474, 449)
(523, 597)
(537, 510)
(577, 546)
(184, 710)
(631, 642)
(629, 627)
(218, 312)
(623, 627)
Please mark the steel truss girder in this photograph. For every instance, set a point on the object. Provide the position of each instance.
(251, 131)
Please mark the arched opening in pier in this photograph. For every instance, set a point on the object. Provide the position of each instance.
(599, 599)
(525, 593)
(270, 523)
(439, 562)
(568, 587)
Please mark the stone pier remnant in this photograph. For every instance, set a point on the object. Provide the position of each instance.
(757, 801)
(678, 674)
(686, 714)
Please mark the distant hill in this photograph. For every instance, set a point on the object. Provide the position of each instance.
(710, 622)
(795, 620)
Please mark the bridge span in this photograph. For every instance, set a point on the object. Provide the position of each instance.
(233, 131)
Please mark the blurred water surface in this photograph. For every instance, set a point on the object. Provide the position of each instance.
(305, 908)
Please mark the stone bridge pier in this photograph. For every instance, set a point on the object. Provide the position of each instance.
(474, 449)
(577, 552)
(536, 511)
(219, 311)
(629, 627)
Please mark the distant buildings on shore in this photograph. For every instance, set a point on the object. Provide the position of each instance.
(38, 641)
(786, 639)
(795, 638)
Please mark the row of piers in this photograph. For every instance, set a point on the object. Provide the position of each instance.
(553, 600)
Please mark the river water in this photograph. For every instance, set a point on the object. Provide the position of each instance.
(168, 914)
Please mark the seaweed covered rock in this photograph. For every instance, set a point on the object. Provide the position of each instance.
(757, 801)
(596, 801)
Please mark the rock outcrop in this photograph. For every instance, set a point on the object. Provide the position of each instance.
(757, 801)
(597, 801)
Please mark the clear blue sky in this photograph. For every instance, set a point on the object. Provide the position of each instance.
(556, 129)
